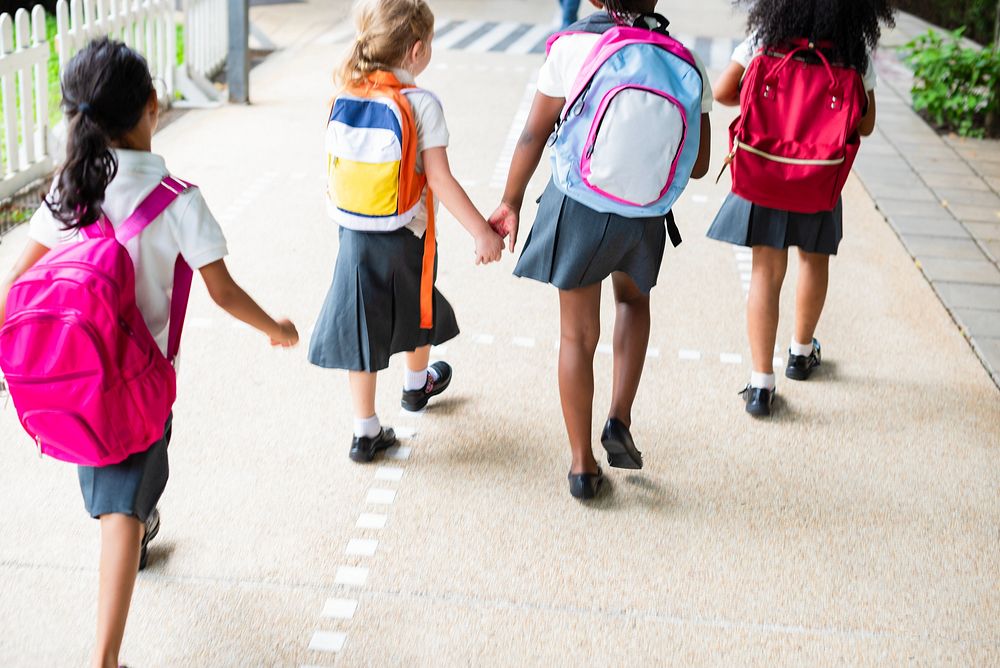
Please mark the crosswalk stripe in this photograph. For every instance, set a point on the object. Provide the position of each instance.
(475, 36)
(458, 34)
(445, 28)
(529, 41)
(511, 38)
(499, 33)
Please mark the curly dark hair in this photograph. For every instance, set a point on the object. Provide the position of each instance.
(853, 26)
(623, 12)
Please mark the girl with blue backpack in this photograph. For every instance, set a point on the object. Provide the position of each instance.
(630, 105)
(387, 163)
(113, 195)
(812, 48)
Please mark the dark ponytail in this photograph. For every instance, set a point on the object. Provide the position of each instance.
(105, 89)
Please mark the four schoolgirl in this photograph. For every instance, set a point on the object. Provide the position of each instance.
(382, 300)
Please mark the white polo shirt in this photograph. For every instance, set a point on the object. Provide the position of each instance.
(187, 228)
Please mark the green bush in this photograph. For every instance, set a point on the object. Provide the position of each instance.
(977, 16)
(958, 88)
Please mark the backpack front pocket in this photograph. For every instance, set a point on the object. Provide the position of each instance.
(635, 142)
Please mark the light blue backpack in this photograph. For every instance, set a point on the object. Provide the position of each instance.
(629, 135)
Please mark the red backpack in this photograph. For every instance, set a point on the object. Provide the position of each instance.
(796, 138)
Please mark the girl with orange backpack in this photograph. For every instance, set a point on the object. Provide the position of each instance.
(805, 82)
(387, 144)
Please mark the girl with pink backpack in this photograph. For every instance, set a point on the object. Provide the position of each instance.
(805, 83)
(98, 295)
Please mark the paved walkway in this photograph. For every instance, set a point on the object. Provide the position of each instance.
(856, 527)
(941, 194)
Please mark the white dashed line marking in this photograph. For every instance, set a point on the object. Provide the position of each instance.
(405, 433)
(361, 547)
(731, 358)
(653, 353)
(327, 641)
(485, 339)
(200, 323)
(699, 199)
(381, 497)
(340, 608)
(605, 349)
(389, 473)
(523, 342)
(692, 355)
(352, 576)
(411, 414)
(399, 453)
(777, 361)
(371, 521)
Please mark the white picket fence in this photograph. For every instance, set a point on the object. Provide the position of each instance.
(24, 57)
(206, 31)
(148, 26)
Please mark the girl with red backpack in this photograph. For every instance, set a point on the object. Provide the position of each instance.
(831, 36)
(107, 183)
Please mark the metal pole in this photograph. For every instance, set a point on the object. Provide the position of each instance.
(238, 59)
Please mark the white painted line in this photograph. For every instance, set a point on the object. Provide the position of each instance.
(405, 433)
(200, 323)
(340, 608)
(513, 134)
(412, 414)
(327, 641)
(361, 547)
(652, 352)
(745, 276)
(523, 342)
(352, 576)
(381, 497)
(530, 40)
(720, 53)
(494, 37)
(778, 362)
(744, 266)
(731, 358)
(485, 339)
(693, 355)
(389, 473)
(398, 453)
(439, 350)
(457, 35)
(371, 521)
(605, 348)
(699, 199)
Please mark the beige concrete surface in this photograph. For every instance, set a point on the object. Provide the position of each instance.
(857, 527)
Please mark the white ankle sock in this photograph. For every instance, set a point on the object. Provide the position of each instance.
(414, 380)
(762, 380)
(801, 349)
(367, 427)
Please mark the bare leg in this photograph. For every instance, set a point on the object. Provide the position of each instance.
(418, 359)
(631, 341)
(769, 266)
(810, 297)
(580, 323)
(120, 539)
(363, 393)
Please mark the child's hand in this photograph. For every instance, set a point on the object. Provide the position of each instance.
(286, 336)
(505, 221)
(489, 248)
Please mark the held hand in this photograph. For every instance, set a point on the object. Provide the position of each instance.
(489, 248)
(505, 221)
(286, 336)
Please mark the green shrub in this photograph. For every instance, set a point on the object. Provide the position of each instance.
(958, 88)
(978, 16)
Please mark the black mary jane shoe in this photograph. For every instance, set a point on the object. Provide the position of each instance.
(416, 400)
(617, 441)
(800, 367)
(759, 400)
(152, 528)
(364, 449)
(585, 486)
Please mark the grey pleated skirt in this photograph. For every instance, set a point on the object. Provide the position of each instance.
(132, 487)
(572, 246)
(372, 310)
(745, 224)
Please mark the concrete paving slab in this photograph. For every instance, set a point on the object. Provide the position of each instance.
(975, 214)
(906, 207)
(961, 271)
(989, 348)
(984, 231)
(938, 226)
(942, 247)
(969, 295)
(965, 181)
(979, 322)
(981, 198)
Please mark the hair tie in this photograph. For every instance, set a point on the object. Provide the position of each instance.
(84, 109)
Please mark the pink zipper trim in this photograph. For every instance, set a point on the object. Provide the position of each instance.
(585, 159)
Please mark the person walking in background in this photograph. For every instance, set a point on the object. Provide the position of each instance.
(847, 31)
(387, 146)
(570, 12)
(643, 144)
(109, 173)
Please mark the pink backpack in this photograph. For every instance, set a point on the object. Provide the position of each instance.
(796, 139)
(88, 380)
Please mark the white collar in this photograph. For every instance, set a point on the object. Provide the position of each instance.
(140, 161)
(404, 76)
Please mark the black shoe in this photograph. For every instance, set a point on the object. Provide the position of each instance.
(800, 367)
(416, 400)
(617, 441)
(364, 449)
(152, 528)
(759, 400)
(586, 485)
